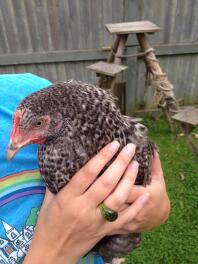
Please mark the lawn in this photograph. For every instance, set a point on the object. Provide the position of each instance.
(176, 241)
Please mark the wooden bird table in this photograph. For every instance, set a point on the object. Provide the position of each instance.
(188, 120)
(121, 30)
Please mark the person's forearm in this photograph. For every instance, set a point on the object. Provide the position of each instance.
(41, 254)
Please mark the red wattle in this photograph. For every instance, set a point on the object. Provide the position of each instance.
(38, 141)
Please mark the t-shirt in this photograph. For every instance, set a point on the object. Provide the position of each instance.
(21, 186)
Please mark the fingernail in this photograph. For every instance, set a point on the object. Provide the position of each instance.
(130, 148)
(134, 165)
(145, 198)
(114, 146)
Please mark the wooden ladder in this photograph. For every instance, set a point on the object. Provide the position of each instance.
(108, 71)
(113, 66)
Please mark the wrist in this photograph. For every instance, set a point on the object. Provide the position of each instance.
(34, 257)
(42, 254)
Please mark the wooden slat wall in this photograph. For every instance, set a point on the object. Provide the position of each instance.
(57, 39)
(179, 23)
(46, 25)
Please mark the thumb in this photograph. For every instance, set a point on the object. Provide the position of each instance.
(136, 192)
(48, 198)
(156, 175)
(156, 168)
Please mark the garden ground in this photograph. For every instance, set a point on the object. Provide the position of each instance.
(176, 241)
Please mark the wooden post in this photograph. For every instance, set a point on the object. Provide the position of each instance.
(120, 49)
(114, 49)
(118, 60)
(103, 80)
(153, 65)
(117, 49)
(192, 144)
(187, 129)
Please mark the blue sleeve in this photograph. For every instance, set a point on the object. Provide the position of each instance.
(21, 187)
(91, 259)
(13, 88)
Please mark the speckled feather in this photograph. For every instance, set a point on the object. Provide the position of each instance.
(90, 119)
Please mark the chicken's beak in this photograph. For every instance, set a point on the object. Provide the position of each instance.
(11, 150)
(18, 138)
(14, 147)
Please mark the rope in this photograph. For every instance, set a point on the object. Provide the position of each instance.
(163, 89)
(133, 55)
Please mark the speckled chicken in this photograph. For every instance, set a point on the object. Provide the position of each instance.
(71, 122)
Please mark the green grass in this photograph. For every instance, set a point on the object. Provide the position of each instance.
(176, 241)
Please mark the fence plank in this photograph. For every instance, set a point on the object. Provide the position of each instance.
(58, 38)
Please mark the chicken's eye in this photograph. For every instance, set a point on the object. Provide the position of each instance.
(38, 123)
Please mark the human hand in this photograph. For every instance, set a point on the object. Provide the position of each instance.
(70, 223)
(157, 209)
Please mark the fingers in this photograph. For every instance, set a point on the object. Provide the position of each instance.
(127, 215)
(109, 179)
(120, 195)
(88, 173)
(135, 193)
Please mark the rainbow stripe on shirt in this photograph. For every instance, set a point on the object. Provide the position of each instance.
(19, 185)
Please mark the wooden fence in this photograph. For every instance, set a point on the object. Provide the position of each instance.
(57, 39)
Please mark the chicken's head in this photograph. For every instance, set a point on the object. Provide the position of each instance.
(29, 127)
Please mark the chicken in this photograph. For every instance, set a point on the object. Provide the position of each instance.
(71, 122)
